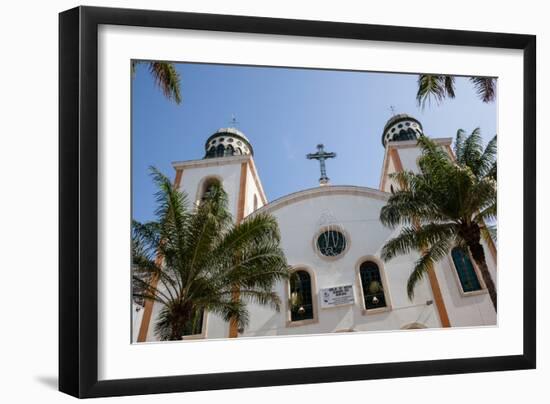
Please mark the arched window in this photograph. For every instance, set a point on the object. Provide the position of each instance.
(465, 270)
(372, 286)
(229, 150)
(211, 152)
(402, 135)
(220, 150)
(207, 187)
(238, 151)
(255, 202)
(301, 301)
(194, 325)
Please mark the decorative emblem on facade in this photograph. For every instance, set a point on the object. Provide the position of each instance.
(331, 241)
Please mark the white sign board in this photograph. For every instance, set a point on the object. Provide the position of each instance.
(337, 296)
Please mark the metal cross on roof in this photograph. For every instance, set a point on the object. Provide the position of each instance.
(322, 155)
(233, 123)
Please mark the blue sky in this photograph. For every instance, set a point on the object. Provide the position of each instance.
(285, 113)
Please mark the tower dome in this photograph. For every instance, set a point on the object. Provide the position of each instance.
(227, 142)
(401, 127)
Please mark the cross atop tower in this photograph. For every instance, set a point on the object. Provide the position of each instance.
(233, 123)
(392, 110)
(321, 155)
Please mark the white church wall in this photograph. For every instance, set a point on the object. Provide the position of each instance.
(216, 327)
(491, 261)
(407, 311)
(137, 315)
(356, 211)
(358, 216)
(229, 174)
(252, 192)
(409, 157)
(390, 168)
(464, 310)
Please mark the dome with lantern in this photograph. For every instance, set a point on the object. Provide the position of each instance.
(401, 127)
(227, 142)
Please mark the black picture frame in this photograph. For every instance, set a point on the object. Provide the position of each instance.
(78, 201)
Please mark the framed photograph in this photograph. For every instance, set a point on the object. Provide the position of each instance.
(251, 202)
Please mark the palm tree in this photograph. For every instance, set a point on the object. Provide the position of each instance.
(444, 206)
(206, 258)
(436, 87)
(165, 76)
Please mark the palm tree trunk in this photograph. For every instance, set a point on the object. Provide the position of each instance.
(178, 327)
(479, 257)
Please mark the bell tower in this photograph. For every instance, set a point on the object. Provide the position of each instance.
(399, 138)
(228, 160)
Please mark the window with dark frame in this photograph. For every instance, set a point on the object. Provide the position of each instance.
(194, 325)
(208, 187)
(301, 301)
(372, 286)
(331, 243)
(465, 270)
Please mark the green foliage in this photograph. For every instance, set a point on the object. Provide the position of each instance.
(438, 87)
(205, 258)
(444, 205)
(434, 87)
(485, 88)
(166, 77)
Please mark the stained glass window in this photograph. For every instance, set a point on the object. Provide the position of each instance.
(331, 243)
(371, 282)
(301, 302)
(465, 270)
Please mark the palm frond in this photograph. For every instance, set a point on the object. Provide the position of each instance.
(485, 88)
(472, 151)
(261, 297)
(255, 228)
(434, 87)
(417, 238)
(487, 162)
(428, 258)
(133, 66)
(459, 144)
(206, 258)
(150, 292)
(489, 234)
(167, 78)
(487, 214)
(449, 82)
(404, 208)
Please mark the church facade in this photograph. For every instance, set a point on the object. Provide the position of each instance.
(332, 238)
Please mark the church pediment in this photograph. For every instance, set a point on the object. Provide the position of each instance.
(322, 192)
